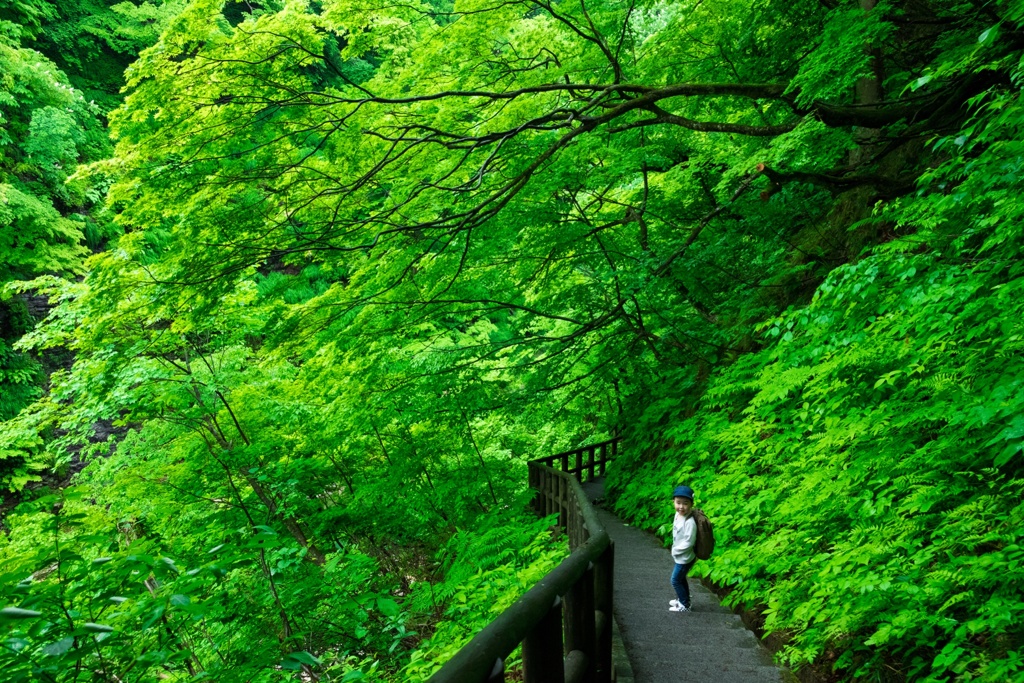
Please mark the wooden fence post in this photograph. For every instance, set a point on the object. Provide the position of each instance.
(546, 503)
(604, 592)
(552, 489)
(563, 504)
(536, 476)
(579, 621)
(542, 649)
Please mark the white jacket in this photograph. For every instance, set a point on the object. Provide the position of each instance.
(684, 537)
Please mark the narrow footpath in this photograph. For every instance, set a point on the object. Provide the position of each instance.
(710, 644)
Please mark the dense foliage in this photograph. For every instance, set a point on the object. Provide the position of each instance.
(48, 128)
(864, 466)
(358, 262)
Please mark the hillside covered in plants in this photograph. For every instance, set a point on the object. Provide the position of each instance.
(291, 291)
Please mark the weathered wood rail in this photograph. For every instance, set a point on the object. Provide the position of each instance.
(564, 623)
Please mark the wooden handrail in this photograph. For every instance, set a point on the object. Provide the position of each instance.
(573, 462)
(578, 592)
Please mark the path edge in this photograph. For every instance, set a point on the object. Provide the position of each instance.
(623, 670)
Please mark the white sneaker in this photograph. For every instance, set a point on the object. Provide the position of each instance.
(678, 608)
(674, 603)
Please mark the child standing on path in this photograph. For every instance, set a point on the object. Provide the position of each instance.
(684, 537)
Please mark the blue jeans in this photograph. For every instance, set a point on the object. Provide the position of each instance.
(680, 584)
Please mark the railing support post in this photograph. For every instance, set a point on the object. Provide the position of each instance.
(563, 504)
(536, 475)
(542, 649)
(579, 621)
(604, 592)
(549, 506)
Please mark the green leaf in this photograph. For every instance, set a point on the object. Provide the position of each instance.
(97, 628)
(58, 648)
(295, 660)
(387, 606)
(304, 657)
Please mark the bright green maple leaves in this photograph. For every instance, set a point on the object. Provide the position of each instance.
(376, 256)
(46, 129)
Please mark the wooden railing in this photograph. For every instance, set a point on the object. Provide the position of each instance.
(573, 600)
(590, 459)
